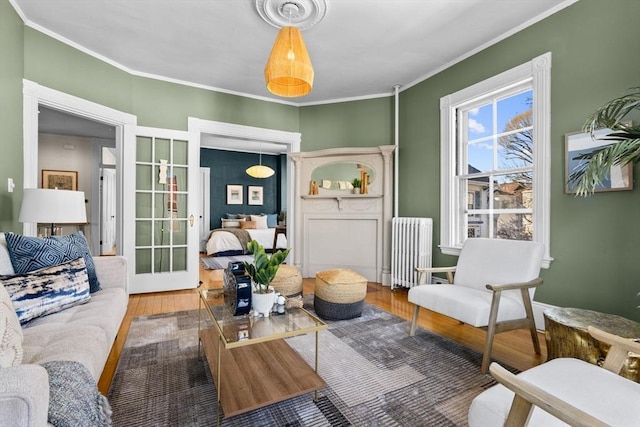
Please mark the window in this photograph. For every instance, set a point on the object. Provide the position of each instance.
(495, 166)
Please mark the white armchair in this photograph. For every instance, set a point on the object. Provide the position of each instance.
(493, 286)
(563, 391)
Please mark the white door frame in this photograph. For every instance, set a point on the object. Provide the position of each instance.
(292, 140)
(35, 95)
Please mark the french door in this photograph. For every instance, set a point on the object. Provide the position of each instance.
(160, 209)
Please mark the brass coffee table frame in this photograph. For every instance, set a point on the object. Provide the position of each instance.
(249, 360)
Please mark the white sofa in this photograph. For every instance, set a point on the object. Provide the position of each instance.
(83, 333)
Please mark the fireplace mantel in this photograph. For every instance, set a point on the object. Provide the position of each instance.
(337, 229)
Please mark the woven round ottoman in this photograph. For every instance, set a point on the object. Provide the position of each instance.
(288, 281)
(339, 294)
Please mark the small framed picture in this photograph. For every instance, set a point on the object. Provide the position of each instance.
(579, 143)
(255, 195)
(234, 195)
(62, 180)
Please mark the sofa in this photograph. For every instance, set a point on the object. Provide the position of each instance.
(84, 333)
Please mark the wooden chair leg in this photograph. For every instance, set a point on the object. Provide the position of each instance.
(414, 322)
(532, 323)
(491, 331)
(519, 412)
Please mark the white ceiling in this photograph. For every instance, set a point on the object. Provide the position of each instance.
(362, 48)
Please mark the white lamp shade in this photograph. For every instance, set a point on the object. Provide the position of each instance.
(53, 206)
(260, 171)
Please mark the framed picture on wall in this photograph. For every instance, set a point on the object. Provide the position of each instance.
(62, 180)
(579, 143)
(234, 195)
(255, 195)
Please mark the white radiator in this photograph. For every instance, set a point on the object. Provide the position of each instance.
(410, 248)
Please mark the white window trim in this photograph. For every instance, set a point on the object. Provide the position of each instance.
(538, 71)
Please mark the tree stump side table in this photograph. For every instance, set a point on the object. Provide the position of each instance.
(567, 336)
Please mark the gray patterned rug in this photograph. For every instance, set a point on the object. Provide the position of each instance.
(376, 375)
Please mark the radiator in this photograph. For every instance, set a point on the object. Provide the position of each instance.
(410, 248)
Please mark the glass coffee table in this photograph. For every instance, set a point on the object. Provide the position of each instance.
(251, 364)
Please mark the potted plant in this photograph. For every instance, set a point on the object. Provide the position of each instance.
(262, 271)
(625, 142)
(356, 185)
(282, 218)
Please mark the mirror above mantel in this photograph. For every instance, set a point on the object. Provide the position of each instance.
(337, 177)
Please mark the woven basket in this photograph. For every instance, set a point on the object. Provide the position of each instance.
(341, 286)
(288, 281)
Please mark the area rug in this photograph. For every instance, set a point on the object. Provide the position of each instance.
(215, 263)
(376, 375)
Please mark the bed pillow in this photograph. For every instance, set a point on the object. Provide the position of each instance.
(247, 225)
(10, 332)
(261, 221)
(232, 216)
(33, 253)
(272, 220)
(48, 290)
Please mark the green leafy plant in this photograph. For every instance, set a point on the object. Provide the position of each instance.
(282, 216)
(624, 148)
(264, 267)
(356, 183)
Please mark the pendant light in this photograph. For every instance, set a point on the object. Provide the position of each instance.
(289, 72)
(260, 170)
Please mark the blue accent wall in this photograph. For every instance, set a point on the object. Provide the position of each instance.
(228, 168)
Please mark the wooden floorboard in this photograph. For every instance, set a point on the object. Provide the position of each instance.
(513, 348)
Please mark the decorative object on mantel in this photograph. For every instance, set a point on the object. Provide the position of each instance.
(356, 185)
(288, 71)
(313, 188)
(624, 143)
(364, 182)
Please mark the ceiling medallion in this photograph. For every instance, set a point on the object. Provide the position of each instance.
(302, 14)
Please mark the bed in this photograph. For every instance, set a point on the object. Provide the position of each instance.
(233, 241)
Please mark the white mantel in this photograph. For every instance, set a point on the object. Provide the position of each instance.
(337, 229)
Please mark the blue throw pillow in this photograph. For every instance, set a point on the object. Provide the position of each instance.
(48, 290)
(272, 220)
(33, 253)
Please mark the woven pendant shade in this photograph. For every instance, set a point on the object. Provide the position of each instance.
(289, 72)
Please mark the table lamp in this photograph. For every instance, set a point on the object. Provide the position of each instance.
(52, 206)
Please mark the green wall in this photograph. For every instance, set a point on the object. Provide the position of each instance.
(595, 47)
(367, 123)
(11, 72)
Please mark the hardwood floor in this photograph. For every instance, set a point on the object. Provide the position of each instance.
(513, 348)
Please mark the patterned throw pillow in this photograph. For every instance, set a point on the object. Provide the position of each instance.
(33, 253)
(10, 332)
(74, 399)
(49, 290)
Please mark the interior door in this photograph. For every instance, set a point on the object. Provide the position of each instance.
(160, 206)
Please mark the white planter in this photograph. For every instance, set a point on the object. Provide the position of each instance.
(262, 303)
(356, 191)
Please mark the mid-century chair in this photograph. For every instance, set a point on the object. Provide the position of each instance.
(493, 286)
(563, 390)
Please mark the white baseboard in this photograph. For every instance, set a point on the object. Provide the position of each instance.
(538, 308)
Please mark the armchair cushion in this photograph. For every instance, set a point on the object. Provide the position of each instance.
(466, 304)
(10, 332)
(496, 261)
(596, 391)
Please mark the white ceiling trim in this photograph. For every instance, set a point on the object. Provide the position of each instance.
(490, 43)
(391, 91)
